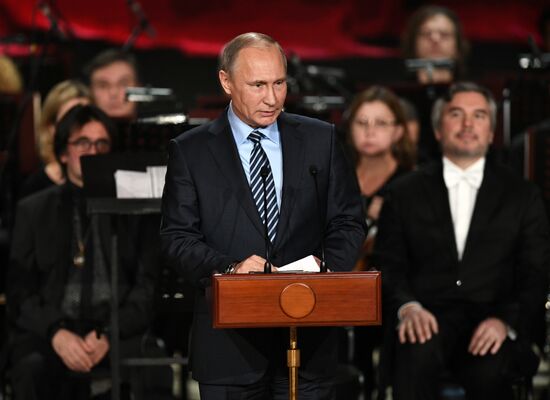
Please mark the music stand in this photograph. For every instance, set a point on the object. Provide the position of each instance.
(99, 188)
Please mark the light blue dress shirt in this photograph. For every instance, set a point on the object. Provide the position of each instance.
(271, 145)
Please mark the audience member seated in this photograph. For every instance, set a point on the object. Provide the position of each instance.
(59, 100)
(435, 33)
(380, 147)
(11, 81)
(382, 151)
(463, 247)
(58, 281)
(109, 74)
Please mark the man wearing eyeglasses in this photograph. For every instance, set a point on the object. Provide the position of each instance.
(58, 285)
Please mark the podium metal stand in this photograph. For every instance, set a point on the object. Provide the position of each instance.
(296, 300)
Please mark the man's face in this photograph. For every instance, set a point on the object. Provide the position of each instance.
(92, 138)
(108, 85)
(257, 85)
(436, 39)
(465, 130)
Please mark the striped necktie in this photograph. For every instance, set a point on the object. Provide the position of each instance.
(259, 161)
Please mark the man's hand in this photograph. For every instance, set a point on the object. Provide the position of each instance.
(99, 347)
(252, 263)
(73, 351)
(417, 324)
(488, 337)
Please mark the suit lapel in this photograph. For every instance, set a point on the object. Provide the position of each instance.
(488, 198)
(293, 158)
(225, 154)
(438, 198)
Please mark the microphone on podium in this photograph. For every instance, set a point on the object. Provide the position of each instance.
(264, 172)
(313, 172)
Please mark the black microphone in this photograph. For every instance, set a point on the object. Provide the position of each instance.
(264, 172)
(313, 171)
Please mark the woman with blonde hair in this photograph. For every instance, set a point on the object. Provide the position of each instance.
(61, 98)
(11, 81)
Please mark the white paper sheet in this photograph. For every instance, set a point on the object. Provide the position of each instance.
(306, 264)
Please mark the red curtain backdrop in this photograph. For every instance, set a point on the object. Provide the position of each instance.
(313, 29)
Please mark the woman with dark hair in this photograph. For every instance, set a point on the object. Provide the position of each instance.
(435, 33)
(380, 144)
(382, 151)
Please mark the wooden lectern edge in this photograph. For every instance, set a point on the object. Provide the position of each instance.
(286, 278)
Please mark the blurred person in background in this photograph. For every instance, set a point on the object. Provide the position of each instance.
(380, 144)
(58, 290)
(109, 74)
(382, 150)
(61, 98)
(435, 33)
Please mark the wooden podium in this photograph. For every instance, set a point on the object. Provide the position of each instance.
(296, 300)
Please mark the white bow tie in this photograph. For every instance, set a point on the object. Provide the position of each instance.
(453, 177)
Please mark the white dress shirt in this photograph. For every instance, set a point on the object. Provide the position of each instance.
(462, 186)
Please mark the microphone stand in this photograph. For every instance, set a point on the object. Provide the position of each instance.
(323, 265)
(264, 172)
(143, 24)
(429, 65)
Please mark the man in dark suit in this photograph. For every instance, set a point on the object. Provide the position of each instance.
(58, 288)
(211, 220)
(463, 247)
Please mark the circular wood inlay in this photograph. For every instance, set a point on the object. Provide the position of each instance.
(297, 300)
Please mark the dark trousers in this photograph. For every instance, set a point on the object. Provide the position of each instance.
(268, 388)
(38, 373)
(419, 368)
(42, 375)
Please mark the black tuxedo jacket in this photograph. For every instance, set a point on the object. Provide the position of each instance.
(209, 220)
(41, 257)
(503, 271)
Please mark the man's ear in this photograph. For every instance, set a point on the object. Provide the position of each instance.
(437, 135)
(398, 133)
(225, 81)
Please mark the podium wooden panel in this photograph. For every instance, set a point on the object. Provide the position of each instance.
(294, 300)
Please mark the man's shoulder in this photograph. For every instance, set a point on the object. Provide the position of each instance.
(301, 121)
(41, 201)
(197, 133)
(412, 179)
(42, 196)
(508, 177)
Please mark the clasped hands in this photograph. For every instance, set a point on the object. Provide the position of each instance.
(418, 325)
(77, 353)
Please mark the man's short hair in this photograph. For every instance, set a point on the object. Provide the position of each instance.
(108, 57)
(461, 87)
(75, 119)
(230, 51)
